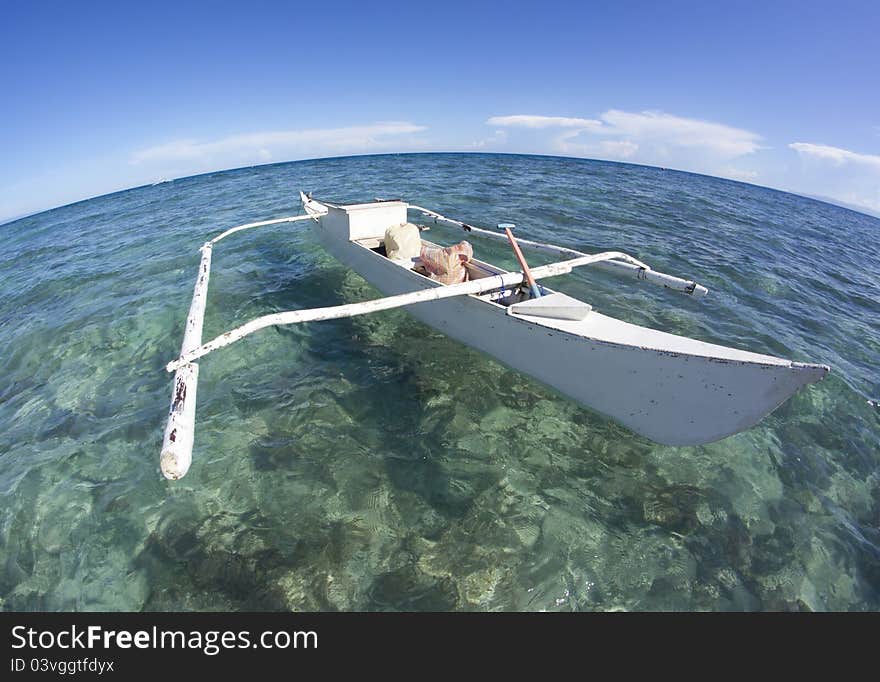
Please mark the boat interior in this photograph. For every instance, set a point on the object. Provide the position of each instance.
(476, 269)
(362, 224)
(575, 317)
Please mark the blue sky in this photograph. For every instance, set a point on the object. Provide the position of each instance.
(97, 96)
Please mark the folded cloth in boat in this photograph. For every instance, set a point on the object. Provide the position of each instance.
(402, 242)
(446, 263)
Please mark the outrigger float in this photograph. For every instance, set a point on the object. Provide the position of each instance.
(671, 389)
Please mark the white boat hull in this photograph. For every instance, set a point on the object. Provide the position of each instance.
(678, 392)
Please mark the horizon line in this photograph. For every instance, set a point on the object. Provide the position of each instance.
(822, 200)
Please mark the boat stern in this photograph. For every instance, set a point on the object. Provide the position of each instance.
(810, 373)
(359, 221)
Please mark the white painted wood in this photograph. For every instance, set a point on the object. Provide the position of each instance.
(262, 223)
(556, 305)
(177, 442)
(363, 221)
(669, 388)
(179, 436)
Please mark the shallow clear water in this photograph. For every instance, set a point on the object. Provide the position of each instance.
(374, 464)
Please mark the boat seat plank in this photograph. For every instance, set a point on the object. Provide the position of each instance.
(556, 306)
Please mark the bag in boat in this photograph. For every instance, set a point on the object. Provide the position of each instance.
(446, 264)
(402, 242)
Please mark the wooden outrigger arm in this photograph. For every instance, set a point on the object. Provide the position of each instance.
(180, 431)
(179, 435)
(477, 286)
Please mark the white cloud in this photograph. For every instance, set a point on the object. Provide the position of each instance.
(856, 199)
(180, 158)
(662, 139)
(618, 149)
(717, 138)
(656, 134)
(569, 143)
(499, 137)
(835, 154)
(529, 121)
(261, 147)
(846, 176)
(738, 174)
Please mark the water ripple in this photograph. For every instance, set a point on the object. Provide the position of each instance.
(373, 463)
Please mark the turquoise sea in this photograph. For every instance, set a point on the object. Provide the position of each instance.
(372, 463)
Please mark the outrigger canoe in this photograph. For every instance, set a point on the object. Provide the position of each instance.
(671, 389)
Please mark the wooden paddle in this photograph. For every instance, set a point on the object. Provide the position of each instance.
(533, 286)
